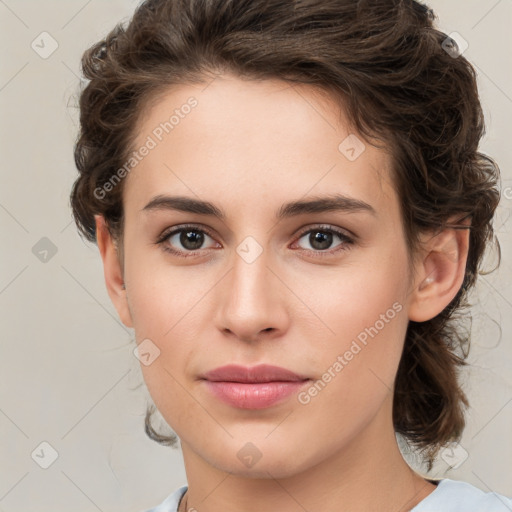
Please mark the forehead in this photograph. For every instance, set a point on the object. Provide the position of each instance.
(248, 142)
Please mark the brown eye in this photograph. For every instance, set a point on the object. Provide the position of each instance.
(321, 240)
(185, 239)
(191, 239)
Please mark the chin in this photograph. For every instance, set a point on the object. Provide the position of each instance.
(259, 460)
(267, 469)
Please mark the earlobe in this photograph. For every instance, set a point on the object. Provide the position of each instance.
(440, 271)
(112, 271)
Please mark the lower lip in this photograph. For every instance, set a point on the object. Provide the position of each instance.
(254, 396)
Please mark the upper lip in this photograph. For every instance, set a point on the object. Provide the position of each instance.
(259, 373)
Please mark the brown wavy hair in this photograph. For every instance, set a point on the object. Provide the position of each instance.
(402, 83)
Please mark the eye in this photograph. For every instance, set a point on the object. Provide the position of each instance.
(188, 240)
(184, 239)
(321, 238)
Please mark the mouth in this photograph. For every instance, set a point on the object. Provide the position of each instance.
(258, 387)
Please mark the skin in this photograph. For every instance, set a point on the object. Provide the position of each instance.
(248, 147)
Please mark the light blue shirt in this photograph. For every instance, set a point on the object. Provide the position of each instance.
(449, 496)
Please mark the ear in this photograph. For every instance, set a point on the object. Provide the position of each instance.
(112, 271)
(440, 268)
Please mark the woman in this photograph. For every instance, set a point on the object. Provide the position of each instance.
(291, 209)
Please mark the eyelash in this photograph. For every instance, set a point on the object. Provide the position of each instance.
(347, 242)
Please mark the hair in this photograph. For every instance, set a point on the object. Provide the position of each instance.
(401, 81)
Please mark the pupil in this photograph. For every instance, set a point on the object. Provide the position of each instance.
(322, 239)
(191, 240)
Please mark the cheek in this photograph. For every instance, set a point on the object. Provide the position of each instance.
(363, 296)
(162, 296)
(369, 339)
(165, 309)
(357, 368)
(164, 303)
(365, 308)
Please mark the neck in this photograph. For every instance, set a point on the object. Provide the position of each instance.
(367, 474)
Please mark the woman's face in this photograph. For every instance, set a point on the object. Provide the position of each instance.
(322, 292)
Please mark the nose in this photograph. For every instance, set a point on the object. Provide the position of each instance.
(252, 301)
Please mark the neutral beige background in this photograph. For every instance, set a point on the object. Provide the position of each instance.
(68, 374)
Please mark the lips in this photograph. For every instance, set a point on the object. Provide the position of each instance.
(255, 374)
(257, 387)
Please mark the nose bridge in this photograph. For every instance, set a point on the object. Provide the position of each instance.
(251, 301)
(250, 274)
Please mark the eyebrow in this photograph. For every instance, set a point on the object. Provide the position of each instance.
(317, 204)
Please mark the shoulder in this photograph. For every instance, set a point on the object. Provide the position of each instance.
(456, 496)
(449, 496)
(170, 504)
